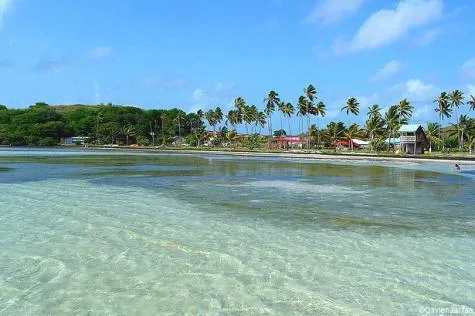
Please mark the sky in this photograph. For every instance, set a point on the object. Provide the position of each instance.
(203, 54)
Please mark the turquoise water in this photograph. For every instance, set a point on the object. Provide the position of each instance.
(107, 233)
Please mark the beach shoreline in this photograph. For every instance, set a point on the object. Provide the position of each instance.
(293, 155)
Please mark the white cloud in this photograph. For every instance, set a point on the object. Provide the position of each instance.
(468, 67)
(422, 112)
(98, 52)
(221, 94)
(429, 36)
(198, 95)
(331, 11)
(387, 26)
(5, 7)
(388, 70)
(417, 90)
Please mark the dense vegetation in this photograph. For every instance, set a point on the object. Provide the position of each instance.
(44, 125)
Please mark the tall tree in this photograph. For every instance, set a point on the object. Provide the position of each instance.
(374, 111)
(432, 132)
(352, 106)
(404, 110)
(443, 109)
(319, 110)
(391, 120)
(218, 115)
(352, 132)
(462, 128)
(282, 110)
(210, 117)
(471, 102)
(270, 102)
(233, 118)
(288, 110)
(456, 99)
(301, 111)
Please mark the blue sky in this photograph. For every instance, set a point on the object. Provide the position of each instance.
(199, 54)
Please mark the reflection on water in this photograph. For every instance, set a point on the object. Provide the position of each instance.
(147, 234)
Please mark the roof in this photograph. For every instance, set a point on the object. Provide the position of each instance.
(394, 140)
(409, 128)
(359, 141)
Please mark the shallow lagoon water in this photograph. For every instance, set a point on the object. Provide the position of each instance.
(114, 233)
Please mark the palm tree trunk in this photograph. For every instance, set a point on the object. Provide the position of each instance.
(290, 130)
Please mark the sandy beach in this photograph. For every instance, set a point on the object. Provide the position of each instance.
(300, 155)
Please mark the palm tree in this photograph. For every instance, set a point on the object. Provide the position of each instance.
(301, 111)
(260, 120)
(444, 110)
(373, 126)
(288, 110)
(199, 117)
(310, 92)
(239, 105)
(99, 118)
(249, 115)
(462, 128)
(271, 102)
(404, 110)
(233, 118)
(218, 115)
(319, 110)
(178, 119)
(352, 106)
(128, 131)
(163, 118)
(456, 99)
(472, 103)
(391, 120)
(211, 118)
(281, 109)
(374, 111)
(351, 132)
(335, 131)
(432, 132)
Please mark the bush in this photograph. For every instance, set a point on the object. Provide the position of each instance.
(47, 141)
(378, 144)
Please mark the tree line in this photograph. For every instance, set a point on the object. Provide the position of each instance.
(42, 124)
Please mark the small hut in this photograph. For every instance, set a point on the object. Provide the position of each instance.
(413, 139)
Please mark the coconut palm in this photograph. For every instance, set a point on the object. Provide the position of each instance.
(281, 109)
(373, 126)
(455, 100)
(180, 117)
(288, 110)
(471, 102)
(352, 132)
(239, 105)
(443, 109)
(233, 117)
(404, 110)
(334, 131)
(163, 119)
(462, 128)
(210, 117)
(260, 120)
(218, 115)
(352, 106)
(319, 110)
(249, 116)
(128, 131)
(374, 111)
(391, 120)
(432, 133)
(271, 101)
(301, 111)
(310, 93)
